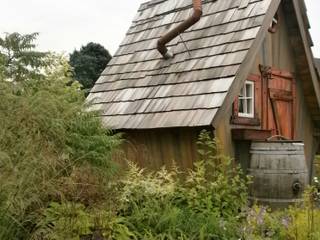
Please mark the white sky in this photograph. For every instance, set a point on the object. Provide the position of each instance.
(68, 24)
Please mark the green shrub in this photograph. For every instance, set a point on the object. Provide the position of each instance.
(298, 222)
(74, 221)
(306, 217)
(262, 223)
(46, 136)
(206, 203)
(63, 221)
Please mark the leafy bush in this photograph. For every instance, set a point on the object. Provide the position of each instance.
(46, 136)
(67, 220)
(205, 204)
(306, 217)
(262, 223)
(70, 220)
(297, 222)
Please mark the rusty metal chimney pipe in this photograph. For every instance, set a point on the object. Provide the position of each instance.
(197, 13)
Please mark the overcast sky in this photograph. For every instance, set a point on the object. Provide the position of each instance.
(67, 24)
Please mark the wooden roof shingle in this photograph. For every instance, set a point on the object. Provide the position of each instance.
(141, 90)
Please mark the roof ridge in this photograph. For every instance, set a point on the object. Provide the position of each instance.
(150, 3)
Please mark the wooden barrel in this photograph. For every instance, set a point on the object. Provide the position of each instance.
(279, 172)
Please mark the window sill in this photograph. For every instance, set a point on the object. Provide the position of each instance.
(245, 115)
(250, 134)
(245, 121)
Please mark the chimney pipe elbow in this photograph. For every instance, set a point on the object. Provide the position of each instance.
(161, 47)
(197, 13)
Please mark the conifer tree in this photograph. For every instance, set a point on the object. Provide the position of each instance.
(88, 63)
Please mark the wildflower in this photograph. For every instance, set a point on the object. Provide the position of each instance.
(286, 222)
(261, 215)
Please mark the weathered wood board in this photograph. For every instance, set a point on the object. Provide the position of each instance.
(140, 90)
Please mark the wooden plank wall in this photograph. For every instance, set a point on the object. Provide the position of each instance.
(277, 52)
(153, 149)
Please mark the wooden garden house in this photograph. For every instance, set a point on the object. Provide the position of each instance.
(244, 71)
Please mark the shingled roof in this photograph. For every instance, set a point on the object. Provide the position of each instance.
(141, 90)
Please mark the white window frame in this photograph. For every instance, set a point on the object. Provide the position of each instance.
(246, 98)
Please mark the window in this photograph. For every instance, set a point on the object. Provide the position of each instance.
(246, 100)
(247, 105)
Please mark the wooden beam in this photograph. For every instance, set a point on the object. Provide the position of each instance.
(246, 121)
(250, 134)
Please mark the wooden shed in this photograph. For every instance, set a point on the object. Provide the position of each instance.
(244, 71)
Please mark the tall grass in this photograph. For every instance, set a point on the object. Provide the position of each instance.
(46, 136)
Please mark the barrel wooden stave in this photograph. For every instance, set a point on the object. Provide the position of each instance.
(276, 167)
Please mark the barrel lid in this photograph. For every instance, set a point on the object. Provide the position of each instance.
(292, 146)
(278, 141)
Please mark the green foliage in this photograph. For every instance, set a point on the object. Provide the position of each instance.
(19, 60)
(69, 220)
(47, 136)
(88, 63)
(299, 222)
(264, 224)
(205, 204)
(63, 221)
(306, 217)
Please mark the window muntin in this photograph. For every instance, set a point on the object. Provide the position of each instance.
(246, 100)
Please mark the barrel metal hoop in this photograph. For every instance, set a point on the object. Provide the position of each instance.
(276, 171)
(276, 200)
(287, 153)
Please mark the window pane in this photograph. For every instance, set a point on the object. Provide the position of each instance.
(246, 100)
(241, 101)
(249, 90)
(249, 106)
(241, 93)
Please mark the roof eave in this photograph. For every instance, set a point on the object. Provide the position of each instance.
(304, 34)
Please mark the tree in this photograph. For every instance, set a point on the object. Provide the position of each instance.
(48, 142)
(88, 63)
(18, 58)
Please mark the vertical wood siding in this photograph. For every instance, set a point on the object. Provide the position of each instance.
(277, 52)
(153, 149)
